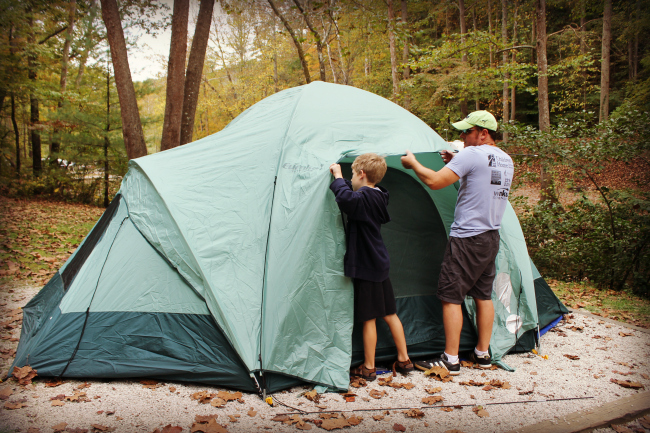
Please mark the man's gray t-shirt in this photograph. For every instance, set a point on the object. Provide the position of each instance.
(485, 174)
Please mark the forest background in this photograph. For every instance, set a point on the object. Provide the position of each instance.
(569, 82)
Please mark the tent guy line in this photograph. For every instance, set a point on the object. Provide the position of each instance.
(300, 412)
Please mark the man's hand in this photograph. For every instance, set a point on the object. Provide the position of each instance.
(408, 160)
(335, 169)
(446, 155)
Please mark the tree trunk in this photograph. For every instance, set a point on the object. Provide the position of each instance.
(55, 146)
(506, 76)
(393, 55)
(463, 30)
(513, 89)
(107, 141)
(319, 40)
(489, 13)
(16, 133)
(131, 125)
(546, 179)
(88, 41)
(195, 69)
(171, 133)
(604, 69)
(34, 117)
(301, 54)
(405, 55)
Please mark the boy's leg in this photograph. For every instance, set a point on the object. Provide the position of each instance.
(452, 319)
(397, 330)
(369, 342)
(484, 321)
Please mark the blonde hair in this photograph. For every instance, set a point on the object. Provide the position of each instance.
(372, 164)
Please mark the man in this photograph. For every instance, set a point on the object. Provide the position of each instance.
(485, 173)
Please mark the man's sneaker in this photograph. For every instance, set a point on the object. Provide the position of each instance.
(454, 369)
(483, 361)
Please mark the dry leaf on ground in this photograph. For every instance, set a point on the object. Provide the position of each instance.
(627, 384)
(414, 413)
(59, 427)
(378, 417)
(573, 357)
(432, 399)
(99, 427)
(312, 396)
(334, 423)
(24, 374)
(210, 427)
(228, 396)
(399, 427)
(374, 393)
(58, 403)
(5, 393)
(218, 402)
(478, 410)
(252, 412)
(358, 382)
(54, 382)
(433, 390)
(11, 406)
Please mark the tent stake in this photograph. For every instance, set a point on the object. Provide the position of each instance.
(303, 412)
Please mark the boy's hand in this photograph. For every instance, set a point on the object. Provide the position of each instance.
(408, 160)
(446, 155)
(335, 169)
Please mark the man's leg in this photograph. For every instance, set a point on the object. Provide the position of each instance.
(397, 331)
(369, 342)
(452, 319)
(484, 321)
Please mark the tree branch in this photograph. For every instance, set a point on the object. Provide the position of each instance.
(47, 38)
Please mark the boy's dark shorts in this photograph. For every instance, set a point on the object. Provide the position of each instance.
(468, 267)
(373, 300)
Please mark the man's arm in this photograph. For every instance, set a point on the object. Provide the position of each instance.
(432, 179)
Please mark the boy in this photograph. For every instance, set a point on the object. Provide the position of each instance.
(366, 259)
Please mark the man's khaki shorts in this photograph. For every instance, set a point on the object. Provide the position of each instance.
(468, 267)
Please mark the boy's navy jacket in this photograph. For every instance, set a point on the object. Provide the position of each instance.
(366, 257)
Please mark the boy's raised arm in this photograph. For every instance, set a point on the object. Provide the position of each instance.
(349, 201)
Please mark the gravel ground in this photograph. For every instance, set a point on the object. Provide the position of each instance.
(606, 351)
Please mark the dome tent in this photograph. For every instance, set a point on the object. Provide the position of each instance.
(221, 261)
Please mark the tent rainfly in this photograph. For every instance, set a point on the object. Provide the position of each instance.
(221, 261)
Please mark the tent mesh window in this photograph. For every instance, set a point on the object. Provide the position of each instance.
(95, 235)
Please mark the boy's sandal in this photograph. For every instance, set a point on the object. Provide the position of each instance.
(369, 374)
(403, 367)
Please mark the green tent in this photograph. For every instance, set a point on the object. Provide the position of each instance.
(221, 261)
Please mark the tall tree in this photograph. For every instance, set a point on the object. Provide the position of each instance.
(506, 75)
(55, 146)
(513, 89)
(131, 125)
(294, 37)
(34, 117)
(171, 133)
(604, 68)
(463, 31)
(547, 185)
(405, 53)
(195, 69)
(391, 43)
(88, 42)
(317, 37)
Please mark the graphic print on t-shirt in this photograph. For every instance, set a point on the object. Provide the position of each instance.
(491, 160)
(496, 177)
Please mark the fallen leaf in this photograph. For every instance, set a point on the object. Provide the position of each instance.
(334, 423)
(312, 396)
(432, 399)
(99, 427)
(252, 412)
(433, 390)
(374, 393)
(11, 406)
(211, 427)
(5, 393)
(354, 420)
(228, 396)
(478, 410)
(437, 372)
(54, 382)
(59, 427)
(58, 403)
(218, 402)
(399, 427)
(358, 382)
(627, 384)
(413, 413)
(377, 417)
(233, 418)
(447, 409)
(151, 384)
(408, 385)
(620, 429)
(574, 357)
(626, 334)
(24, 374)
(172, 389)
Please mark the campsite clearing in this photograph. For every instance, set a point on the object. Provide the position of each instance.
(606, 352)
